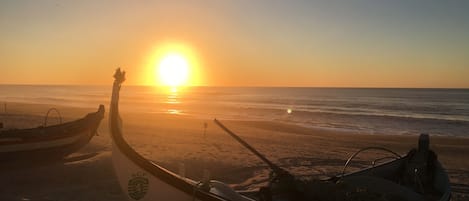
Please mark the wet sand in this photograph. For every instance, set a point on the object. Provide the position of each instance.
(176, 141)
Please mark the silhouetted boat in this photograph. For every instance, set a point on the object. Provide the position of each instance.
(416, 176)
(46, 143)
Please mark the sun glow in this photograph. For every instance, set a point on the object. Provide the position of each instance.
(173, 70)
(172, 64)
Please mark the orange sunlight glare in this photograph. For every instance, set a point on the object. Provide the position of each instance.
(173, 65)
(173, 70)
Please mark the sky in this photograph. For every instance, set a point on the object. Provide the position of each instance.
(328, 43)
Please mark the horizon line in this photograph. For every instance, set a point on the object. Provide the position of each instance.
(234, 86)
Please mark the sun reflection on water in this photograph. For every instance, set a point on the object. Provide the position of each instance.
(173, 101)
(174, 111)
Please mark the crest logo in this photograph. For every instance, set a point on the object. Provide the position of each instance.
(138, 186)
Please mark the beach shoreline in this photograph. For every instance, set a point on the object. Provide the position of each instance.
(176, 141)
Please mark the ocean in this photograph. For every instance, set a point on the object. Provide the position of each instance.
(359, 110)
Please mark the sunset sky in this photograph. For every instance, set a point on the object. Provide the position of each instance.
(361, 43)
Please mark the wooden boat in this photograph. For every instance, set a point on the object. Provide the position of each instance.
(46, 143)
(141, 179)
(416, 176)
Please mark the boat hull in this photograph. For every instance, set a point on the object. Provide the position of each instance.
(139, 184)
(51, 143)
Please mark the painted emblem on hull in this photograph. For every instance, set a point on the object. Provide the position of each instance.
(138, 186)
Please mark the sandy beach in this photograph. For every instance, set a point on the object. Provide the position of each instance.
(306, 83)
(181, 144)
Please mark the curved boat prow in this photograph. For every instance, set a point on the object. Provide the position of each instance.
(143, 180)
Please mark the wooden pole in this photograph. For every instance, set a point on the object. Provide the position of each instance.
(205, 128)
(272, 166)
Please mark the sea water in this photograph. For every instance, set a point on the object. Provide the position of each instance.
(363, 110)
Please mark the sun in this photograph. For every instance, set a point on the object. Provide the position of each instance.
(172, 64)
(173, 70)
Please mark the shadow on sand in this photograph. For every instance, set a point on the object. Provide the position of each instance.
(84, 176)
